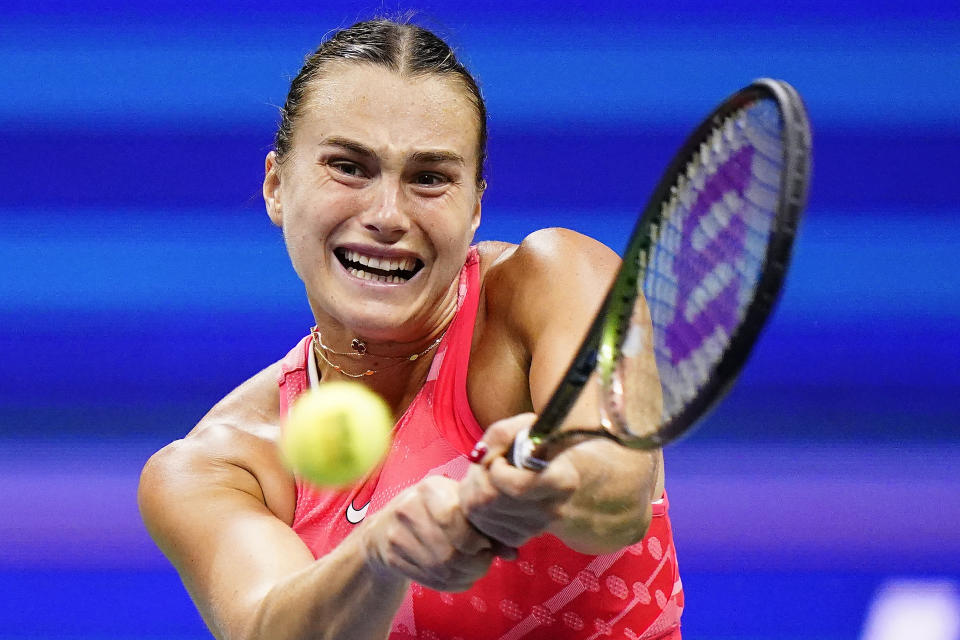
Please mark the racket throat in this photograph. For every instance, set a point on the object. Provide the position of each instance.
(534, 452)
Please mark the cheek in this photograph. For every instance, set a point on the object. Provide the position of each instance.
(314, 213)
(305, 228)
(450, 234)
(452, 219)
(297, 249)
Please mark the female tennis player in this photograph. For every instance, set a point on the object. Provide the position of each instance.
(376, 182)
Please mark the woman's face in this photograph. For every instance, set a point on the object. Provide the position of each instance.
(378, 199)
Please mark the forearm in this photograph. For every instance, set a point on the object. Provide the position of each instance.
(611, 507)
(354, 591)
(339, 596)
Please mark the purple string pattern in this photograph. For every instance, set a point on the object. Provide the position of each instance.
(704, 266)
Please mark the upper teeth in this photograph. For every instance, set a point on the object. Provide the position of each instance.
(384, 264)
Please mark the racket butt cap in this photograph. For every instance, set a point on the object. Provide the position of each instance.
(521, 453)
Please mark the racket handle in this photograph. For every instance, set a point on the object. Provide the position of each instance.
(521, 453)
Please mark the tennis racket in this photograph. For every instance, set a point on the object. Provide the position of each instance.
(700, 275)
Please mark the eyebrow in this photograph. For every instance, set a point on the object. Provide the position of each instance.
(425, 157)
(349, 145)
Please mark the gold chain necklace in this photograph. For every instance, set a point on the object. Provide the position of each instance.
(361, 350)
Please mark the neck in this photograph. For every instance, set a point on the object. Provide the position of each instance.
(367, 361)
(395, 369)
(397, 338)
(389, 353)
(360, 350)
(396, 381)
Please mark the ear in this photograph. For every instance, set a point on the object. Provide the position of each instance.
(475, 220)
(271, 188)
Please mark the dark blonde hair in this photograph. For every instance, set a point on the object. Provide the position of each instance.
(403, 48)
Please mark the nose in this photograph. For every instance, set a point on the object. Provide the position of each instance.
(386, 218)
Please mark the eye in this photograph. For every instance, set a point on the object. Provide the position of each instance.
(429, 179)
(347, 168)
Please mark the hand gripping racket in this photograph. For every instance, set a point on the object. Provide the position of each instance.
(702, 270)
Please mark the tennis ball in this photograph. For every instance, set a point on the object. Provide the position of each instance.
(336, 433)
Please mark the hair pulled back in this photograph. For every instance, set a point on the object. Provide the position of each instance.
(406, 49)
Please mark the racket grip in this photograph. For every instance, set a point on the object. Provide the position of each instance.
(521, 453)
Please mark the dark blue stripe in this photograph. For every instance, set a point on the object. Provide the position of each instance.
(563, 167)
(196, 72)
(464, 11)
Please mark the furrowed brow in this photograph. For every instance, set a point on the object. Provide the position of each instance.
(349, 145)
(433, 157)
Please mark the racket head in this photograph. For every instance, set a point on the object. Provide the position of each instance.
(712, 245)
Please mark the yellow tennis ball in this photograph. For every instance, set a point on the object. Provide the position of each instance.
(336, 433)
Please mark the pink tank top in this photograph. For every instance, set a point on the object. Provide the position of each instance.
(549, 591)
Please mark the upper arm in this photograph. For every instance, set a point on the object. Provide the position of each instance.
(561, 280)
(218, 504)
(557, 281)
(207, 513)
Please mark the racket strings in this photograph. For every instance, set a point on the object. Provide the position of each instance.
(701, 255)
(706, 255)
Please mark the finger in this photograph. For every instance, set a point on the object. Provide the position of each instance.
(505, 551)
(506, 520)
(516, 524)
(454, 577)
(459, 575)
(512, 505)
(555, 483)
(422, 551)
(403, 536)
(508, 538)
(442, 502)
(410, 543)
(480, 500)
(498, 438)
(496, 481)
(414, 524)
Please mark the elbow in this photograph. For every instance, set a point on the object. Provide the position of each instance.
(596, 533)
(261, 623)
(627, 530)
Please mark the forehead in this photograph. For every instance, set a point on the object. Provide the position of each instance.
(384, 109)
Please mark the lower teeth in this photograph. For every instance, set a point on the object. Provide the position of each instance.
(366, 275)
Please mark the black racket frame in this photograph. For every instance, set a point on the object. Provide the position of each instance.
(796, 139)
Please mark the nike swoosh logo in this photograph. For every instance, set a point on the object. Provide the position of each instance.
(354, 516)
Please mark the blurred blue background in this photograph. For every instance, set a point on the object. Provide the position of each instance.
(140, 279)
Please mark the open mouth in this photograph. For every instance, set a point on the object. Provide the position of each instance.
(378, 268)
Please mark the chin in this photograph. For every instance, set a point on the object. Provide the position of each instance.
(377, 321)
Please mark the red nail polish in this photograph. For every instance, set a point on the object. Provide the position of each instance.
(479, 450)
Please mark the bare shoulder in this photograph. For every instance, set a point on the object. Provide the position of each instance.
(234, 446)
(549, 269)
(538, 298)
(555, 242)
(219, 504)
